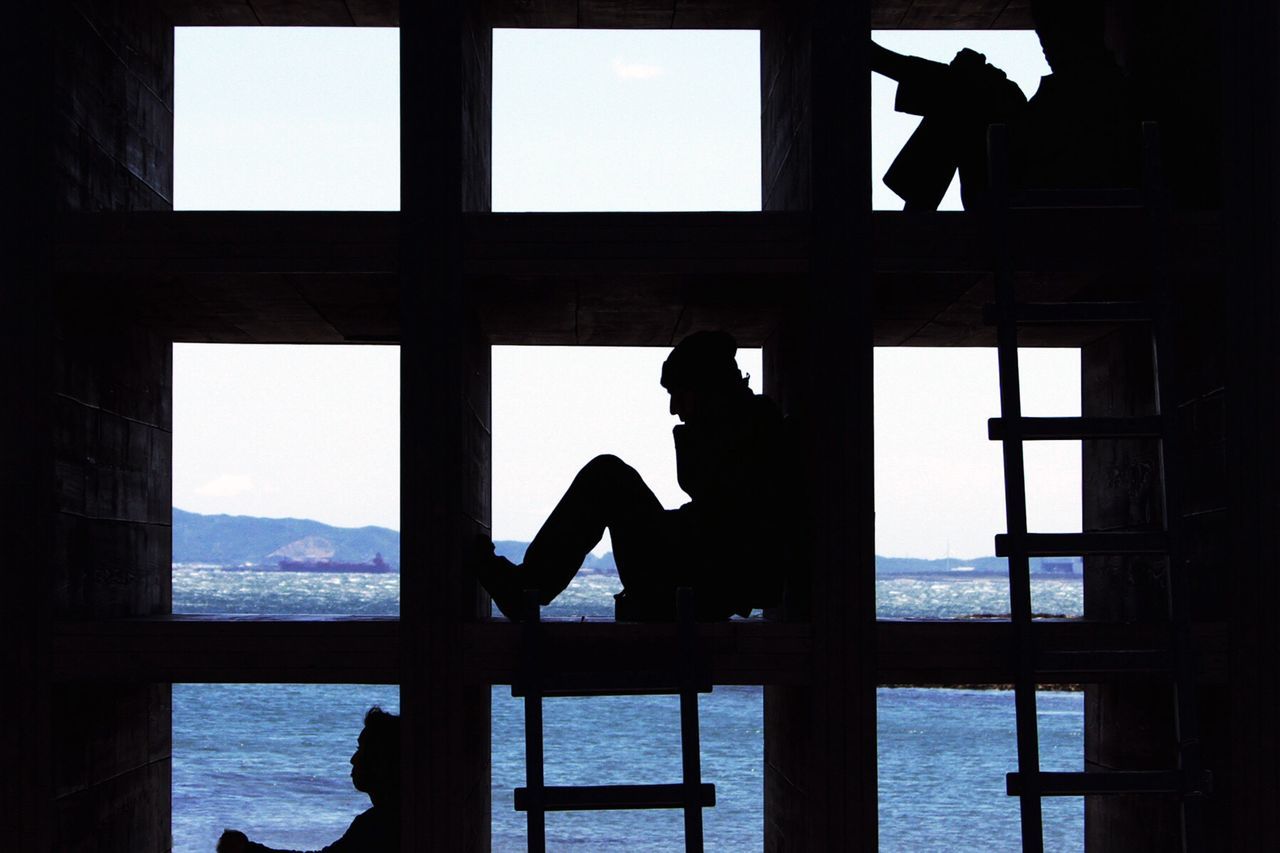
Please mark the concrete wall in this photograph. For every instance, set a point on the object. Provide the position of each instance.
(25, 439)
(1174, 53)
(1250, 567)
(113, 446)
(477, 112)
(785, 124)
(111, 558)
(111, 767)
(1127, 726)
(113, 91)
(1130, 726)
(87, 430)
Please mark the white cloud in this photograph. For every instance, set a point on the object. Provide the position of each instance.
(227, 486)
(636, 70)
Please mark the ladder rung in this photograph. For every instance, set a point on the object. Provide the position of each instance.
(1071, 429)
(1047, 313)
(1110, 782)
(567, 798)
(1084, 544)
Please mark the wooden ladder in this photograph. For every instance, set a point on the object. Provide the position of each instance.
(685, 677)
(1188, 780)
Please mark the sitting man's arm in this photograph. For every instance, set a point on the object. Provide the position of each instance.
(235, 841)
(969, 84)
(957, 101)
(365, 833)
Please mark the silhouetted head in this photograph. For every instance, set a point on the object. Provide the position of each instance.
(702, 374)
(375, 766)
(1072, 32)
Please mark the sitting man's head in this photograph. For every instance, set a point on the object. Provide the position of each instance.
(1072, 32)
(375, 766)
(701, 374)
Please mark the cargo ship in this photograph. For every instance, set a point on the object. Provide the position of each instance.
(375, 566)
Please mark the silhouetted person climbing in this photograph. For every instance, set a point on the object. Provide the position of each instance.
(375, 770)
(1080, 129)
(727, 542)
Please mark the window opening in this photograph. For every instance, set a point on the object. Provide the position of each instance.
(286, 118)
(939, 504)
(286, 479)
(940, 482)
(1016, 52)
(271, 760)
(555, 408)
(625, 120)
(943, 755)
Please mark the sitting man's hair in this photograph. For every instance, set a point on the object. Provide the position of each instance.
(703, 361)
(382, 740)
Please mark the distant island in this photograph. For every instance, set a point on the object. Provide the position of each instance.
(1065, 566)
(249, 543)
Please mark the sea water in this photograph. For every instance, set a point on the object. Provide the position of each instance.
(273, 760)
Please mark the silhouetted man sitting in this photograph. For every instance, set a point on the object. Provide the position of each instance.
(375, 770)
(1080, 129)
(727, 542)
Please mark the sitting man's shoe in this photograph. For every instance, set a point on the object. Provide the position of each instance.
(633, 606)
(500, 579)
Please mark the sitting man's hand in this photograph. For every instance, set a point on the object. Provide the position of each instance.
(969, 59)
(233, 841)
(974, 63)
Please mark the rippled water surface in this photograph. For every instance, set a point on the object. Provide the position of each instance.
(273, 759)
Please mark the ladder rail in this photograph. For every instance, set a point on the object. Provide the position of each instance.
(690, 744)
(531, 676)
(1189, 780)
(1015, 500)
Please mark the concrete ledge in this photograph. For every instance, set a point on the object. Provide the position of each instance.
(339, 650)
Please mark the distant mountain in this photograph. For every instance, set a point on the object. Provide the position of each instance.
(512, 550)
(236, 540)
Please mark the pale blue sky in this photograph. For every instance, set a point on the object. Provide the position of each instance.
(639, 120)
(583, 120)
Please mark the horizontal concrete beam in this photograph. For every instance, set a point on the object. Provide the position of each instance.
(590, 278)
(612, 14)
(244, 649)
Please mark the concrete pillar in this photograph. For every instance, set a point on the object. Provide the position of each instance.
(820, 757)
(445, 456)
(1127, 726)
